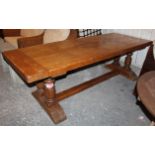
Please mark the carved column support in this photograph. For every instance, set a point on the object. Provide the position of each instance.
(47, 97)
(49, 92)
(128, 61)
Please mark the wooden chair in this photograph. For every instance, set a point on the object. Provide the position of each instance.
(21, 38)
(146, 92)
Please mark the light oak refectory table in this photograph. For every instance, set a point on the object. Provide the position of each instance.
(43, 63)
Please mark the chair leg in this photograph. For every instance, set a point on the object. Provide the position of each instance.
(152, 123)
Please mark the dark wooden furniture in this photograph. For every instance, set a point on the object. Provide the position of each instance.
(43, 63)
(148, 65)
(146, 91)
(11, 32)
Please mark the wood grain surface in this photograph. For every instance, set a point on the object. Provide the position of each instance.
(55, 59)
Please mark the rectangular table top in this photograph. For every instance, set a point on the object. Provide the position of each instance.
(55, 59)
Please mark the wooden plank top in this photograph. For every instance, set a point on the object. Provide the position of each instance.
(55, 59)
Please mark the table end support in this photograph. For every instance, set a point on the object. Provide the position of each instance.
(123, 70)
(46, 96)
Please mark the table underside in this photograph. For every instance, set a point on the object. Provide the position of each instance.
(49, 99)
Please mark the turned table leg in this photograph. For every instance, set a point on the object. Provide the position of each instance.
(128, 61)
(46, 95)
(129, 73)
(123, 70)
(49, 92)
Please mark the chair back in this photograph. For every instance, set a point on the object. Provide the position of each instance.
(31, 32)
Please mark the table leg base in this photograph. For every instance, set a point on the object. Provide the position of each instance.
(55, 111)
(125, 72)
